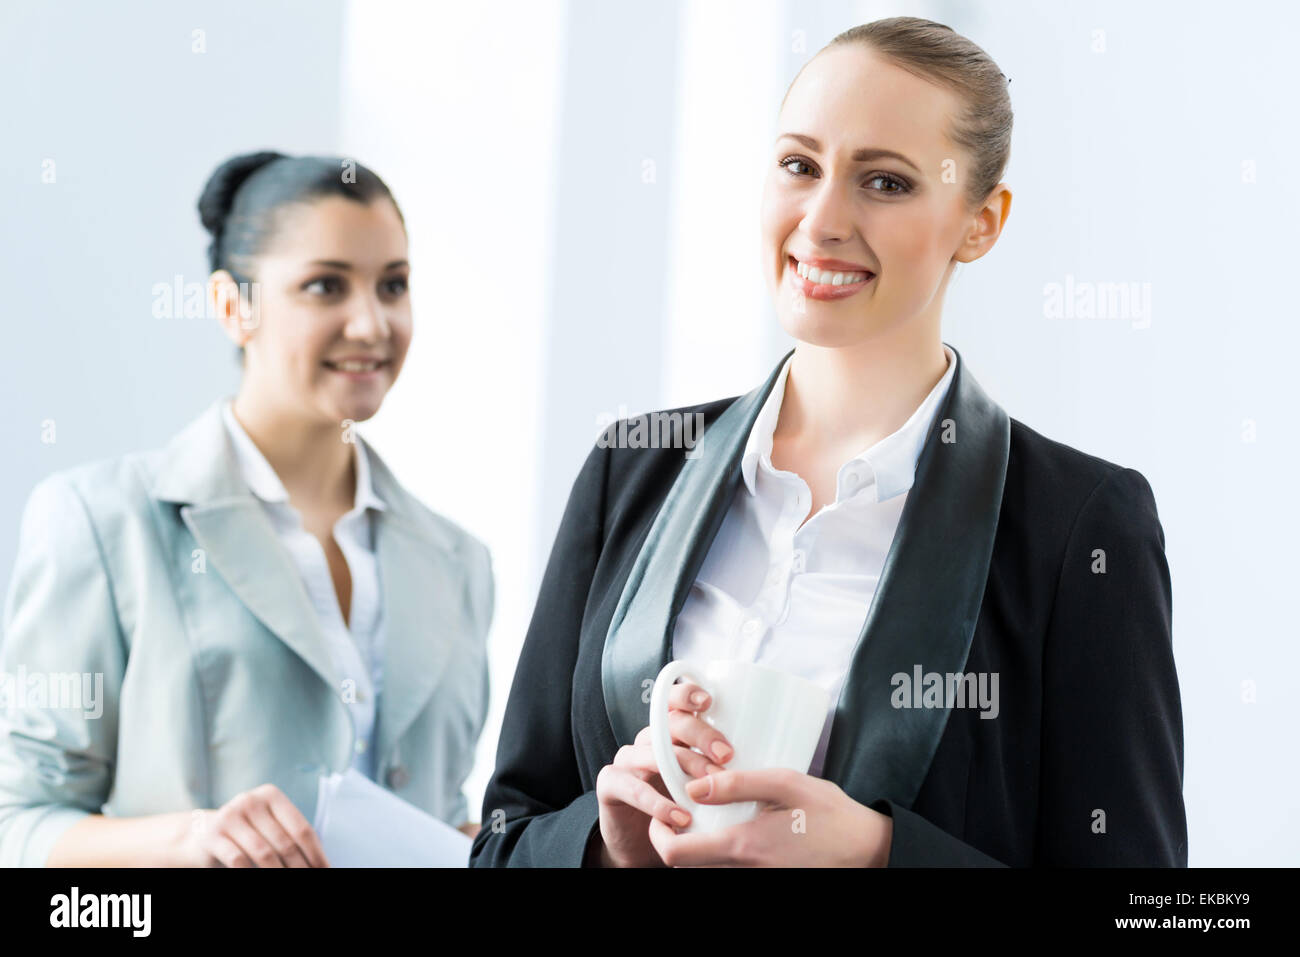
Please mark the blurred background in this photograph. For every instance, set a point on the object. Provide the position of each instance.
(573, 176)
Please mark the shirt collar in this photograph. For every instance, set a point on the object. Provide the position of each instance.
(892, 460)
(266, 485)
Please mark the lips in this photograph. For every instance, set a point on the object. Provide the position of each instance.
(833, 265)
(356, 365)
(816, 279)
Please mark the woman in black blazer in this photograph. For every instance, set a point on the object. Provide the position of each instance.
(1014, 557)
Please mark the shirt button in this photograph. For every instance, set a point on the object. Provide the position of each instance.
(397, 777)
(798, 560)
(361, 747)
(751, 627)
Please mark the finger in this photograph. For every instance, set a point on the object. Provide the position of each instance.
(298, 828)
(642, 758)
(653, 779)
(694, 850)
(228, 853)
(688, 696)
(687, 729)
(681, 697)
(772, 785)
(273, 831)
(662, 838)
(259, 849)
(616, 785)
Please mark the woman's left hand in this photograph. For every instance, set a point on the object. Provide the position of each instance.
(802, 821)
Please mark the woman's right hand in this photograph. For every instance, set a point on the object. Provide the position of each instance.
(630, 791)
(258, 828)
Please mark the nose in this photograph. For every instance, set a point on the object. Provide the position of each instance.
(367, 322)
(828, 216)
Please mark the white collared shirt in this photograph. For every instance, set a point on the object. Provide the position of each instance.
(356, 647)
(795, 598)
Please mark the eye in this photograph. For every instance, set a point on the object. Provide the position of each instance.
(896, 184)
(394, 287)
(323, 286)
(790, 161)
(899, 186)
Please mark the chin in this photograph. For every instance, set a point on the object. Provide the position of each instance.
(357, 409)
(823, 331)
(361, 411)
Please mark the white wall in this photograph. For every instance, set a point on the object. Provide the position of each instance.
(134, 121)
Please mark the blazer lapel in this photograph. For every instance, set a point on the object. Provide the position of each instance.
(421, 580)
(639, 641)
(423, 584)
(201, 474)
(942, 547)
(927, 601)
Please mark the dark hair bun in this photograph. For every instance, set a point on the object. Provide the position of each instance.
(239, 202)
(219, 194)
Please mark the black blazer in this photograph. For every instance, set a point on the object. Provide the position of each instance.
(1014, 555)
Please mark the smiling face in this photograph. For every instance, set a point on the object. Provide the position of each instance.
(333, 313)
(860, 230)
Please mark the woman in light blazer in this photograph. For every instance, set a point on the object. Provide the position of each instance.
(868, 518)
(264, 601)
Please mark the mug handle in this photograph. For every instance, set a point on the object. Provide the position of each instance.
(661, 739)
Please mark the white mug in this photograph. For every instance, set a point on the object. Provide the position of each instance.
(771, 719)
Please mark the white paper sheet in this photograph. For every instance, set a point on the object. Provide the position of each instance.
(361, 824)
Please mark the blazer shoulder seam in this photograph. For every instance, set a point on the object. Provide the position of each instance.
(1074, 527)
(604, 495)
(67, 479)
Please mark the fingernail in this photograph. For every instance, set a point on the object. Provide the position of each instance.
(680, 818)
(699, 697)
(721, 751)
(701, 788)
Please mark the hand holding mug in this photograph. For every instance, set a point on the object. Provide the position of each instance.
(772, 718)
(630, 791)
(802, 821)
(763, 809)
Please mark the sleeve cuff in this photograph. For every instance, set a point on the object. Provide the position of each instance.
(33, 832)
(919, 843)
(551, 839)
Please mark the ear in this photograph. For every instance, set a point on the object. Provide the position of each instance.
(235, 308)
(987, 225)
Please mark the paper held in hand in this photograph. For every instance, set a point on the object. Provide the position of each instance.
(361, 824)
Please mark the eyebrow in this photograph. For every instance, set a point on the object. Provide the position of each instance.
(339, 264)
(864, 155)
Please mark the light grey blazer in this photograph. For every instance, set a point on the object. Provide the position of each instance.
(161, 572)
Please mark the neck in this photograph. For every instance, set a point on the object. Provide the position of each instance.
(855, 396)
(310, 458)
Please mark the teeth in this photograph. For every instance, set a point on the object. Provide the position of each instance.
(356, 366)
(826, 277)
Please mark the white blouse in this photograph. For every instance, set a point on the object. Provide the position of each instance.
(794, 598)
(356, 648)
